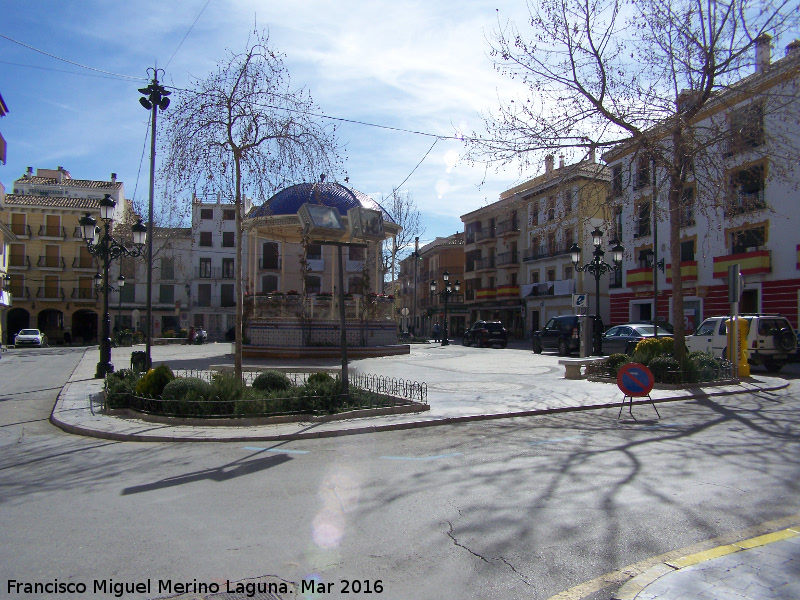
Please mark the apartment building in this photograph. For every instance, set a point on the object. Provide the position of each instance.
(739, 206)
(51, 270)
(492, 264)
(518, 267)
(425, 308)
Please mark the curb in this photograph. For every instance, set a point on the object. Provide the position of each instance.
(635, 586)
(133, 437)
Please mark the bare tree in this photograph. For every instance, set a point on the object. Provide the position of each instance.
(644, 74)
(403, 210)
(244, 129)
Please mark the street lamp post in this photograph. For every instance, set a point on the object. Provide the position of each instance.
(120, 285)
(597, 267)
(156, 98)
(445, 294)
(105, 248)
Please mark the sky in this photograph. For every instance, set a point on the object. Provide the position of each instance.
(414, 65)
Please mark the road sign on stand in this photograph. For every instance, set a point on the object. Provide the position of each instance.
(635, 380)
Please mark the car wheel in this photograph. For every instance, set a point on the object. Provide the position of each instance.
(785, 340)
(563, 347)
(464, 341)
(773, 366)
(536, 346)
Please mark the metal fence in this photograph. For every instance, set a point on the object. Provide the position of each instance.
(720, 372)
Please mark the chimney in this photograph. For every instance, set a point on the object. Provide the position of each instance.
(793, 48)
(763, 52)
(113, 178)
(29, 174)
(60, 174)
(561, 161)
(593, 155)
(549, 161)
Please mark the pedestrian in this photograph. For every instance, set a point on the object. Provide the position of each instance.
(191, 336)
(436, 332)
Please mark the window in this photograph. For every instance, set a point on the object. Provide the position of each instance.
(746, 128)
(645, 260)
(642, 172)
(167, 268)
(205, 239)
(314, 252)
(550, 274)
(228, 268)
(204, 294)
(513, 279)
(16, 255)
(228, 239)
(269, 283)
(355, 285)
(643, 219)
(128, 293)
(748, 240)
(18, 224)
(313, 284)
(533, 213)
(551, 208)
(551, 243)
(269, 256)
(205, 268)
(747, 190)
(229, 214)
(207, 214)
(616, 181)
(227, 296)
(535, 276)
(687, 251)
(166, 294)
(127, 267)
(569, 273)
(569, 237)
(616, 230)
(568, 198)
(356, 253)
(687, 207)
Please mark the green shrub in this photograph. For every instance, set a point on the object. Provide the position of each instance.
(178, 388)
(268, 381)
(319, 378)
(706, 367)
(661, 366)
(119, 383)
(153, 383)
(615, 361)
(649, 348)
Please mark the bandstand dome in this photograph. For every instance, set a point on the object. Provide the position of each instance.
(289, 200)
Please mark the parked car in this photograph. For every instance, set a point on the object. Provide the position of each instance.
(661, 323)
(563, 334)
(770, 341)
(30, 337)
(486, 333)
(622, 339)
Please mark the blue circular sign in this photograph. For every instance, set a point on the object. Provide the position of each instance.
(635, 379)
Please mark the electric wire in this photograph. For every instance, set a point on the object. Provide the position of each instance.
(187, 33)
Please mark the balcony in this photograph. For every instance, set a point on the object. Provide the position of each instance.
(207, 273)
(16, 261)
(84, 294)
(83, 262)
(21, 230)
(51, 263)
(485, 236)
(559, 287)
(486, 293)
(548, 251)
(508, 259)
(50, 294)
(743, 202)
(52, 232)
(20, 292)
(270, 264)
(508, 228)
(750, 263)
(485, 264)
(688, 271)
(639, 277)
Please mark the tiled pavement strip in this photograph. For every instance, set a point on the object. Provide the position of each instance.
(472, 385)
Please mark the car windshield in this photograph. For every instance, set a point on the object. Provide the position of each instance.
(494, 326)
(29, 332)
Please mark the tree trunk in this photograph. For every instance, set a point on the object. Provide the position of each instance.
(237, 354)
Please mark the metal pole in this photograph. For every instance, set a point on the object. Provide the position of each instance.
(343, 324)
(149, 304)
(105, 366)
(596, 334)
(655, 254)
(416, 260)
(446, 293)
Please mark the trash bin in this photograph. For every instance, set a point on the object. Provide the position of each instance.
(139, 361)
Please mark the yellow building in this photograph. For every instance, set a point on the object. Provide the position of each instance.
(51, 270)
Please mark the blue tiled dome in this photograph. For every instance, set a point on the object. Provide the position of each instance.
(289, 200)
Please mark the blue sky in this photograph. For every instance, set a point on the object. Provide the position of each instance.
(421, 66)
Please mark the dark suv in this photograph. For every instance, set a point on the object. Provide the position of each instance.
(486, 333)
(563, 334)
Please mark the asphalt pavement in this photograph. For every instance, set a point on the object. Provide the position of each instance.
(468, 384)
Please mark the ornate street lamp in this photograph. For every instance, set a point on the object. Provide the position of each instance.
(156, 98)
(597, 267)
(106, 249)
(445, 295)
